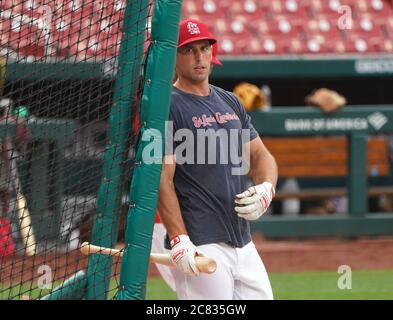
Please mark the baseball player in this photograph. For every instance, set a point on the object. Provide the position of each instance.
(159, 231)
(204, 205)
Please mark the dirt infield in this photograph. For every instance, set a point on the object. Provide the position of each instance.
(278, 256)
(19, 269)
(322, 254)
(325, 254)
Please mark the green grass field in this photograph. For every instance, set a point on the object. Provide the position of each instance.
(367, 284)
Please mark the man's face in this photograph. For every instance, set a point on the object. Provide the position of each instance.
(193, 61)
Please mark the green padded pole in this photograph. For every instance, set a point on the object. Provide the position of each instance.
(106, 225)
(146, 178)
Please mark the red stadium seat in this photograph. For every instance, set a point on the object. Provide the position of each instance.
(65, 43)
(235, 27)
(360, 44)
(208, 7)
(108, 45)
(243, 45)
(248, 8)
(259, 27)
(27, 39)
(287, 7)
(256, 16)
(283, 45)
(366, 25)
(245, 26)
(254, 46)
(318, 44)
(188, 7)
(337, 45)
(220, 26)
(379, 7)
(15, 6)
(79, 49)
(94, 47)
(269, 46)
(388, 27)
(239, 28)
(200, 7)
(209, 18)
(236, 44)
(62, 22)
(5, 4)
(224, 5)
(381, 45)
(323, 24)
(228, 46)
(325, 6)
(291, 45)
(283, 26)
(251, 46)
(5, 28)
(75, 46)
(387, 46)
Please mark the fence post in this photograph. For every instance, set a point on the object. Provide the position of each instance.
(357, 174)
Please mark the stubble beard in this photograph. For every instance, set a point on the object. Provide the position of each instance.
(197, 78)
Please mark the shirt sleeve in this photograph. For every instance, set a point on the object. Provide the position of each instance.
(245, 119)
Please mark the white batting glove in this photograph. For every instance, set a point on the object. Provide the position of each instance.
(183, 254)
(253, 203)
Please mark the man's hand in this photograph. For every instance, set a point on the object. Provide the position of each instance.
(183, 253)
(253, 203)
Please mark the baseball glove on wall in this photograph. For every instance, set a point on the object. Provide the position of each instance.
(328, 100)
(250, 95)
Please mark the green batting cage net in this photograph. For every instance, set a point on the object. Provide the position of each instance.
(73, 104)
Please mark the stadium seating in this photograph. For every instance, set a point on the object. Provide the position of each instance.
(243, 26)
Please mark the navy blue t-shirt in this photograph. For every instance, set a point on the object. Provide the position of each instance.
(207, 143)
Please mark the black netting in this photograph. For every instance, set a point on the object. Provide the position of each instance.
(58, 64)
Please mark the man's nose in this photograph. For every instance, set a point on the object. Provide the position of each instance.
(198, 54)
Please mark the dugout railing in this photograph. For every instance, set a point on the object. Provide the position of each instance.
(356, 123)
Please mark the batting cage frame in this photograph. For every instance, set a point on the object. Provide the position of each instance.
(154, 109)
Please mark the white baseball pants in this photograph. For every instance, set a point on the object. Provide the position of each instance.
(240, 275)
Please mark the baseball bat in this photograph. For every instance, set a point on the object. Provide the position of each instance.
(26, 228)
(204, 264)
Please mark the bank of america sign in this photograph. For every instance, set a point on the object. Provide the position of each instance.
(376, 120)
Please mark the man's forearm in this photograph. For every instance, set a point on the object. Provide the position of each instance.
(169, 209)
(263, 169)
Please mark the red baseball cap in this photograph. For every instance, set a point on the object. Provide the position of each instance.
(193, 30)
(214, 55)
